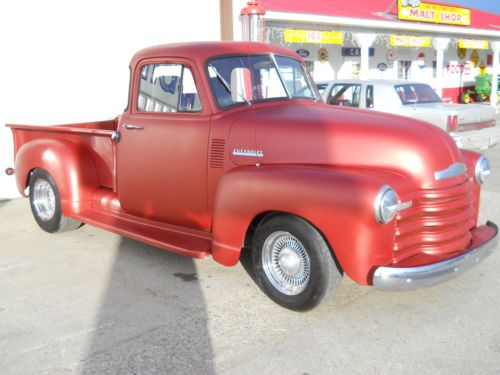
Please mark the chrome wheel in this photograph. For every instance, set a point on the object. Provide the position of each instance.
(286, 263)
(44, 200)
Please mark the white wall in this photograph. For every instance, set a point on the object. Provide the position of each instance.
(67, 61)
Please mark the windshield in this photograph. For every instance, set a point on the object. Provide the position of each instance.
(248, 79)
(417, 94)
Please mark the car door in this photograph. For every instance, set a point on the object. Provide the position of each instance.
(162, 154)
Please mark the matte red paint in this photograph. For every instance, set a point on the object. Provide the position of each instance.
(175, 184)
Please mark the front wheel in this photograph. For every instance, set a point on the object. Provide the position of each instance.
(293, 264)
(46, 205)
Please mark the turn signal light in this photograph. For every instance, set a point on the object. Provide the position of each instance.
(452, 123)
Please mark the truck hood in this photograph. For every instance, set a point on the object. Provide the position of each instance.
(316, 134)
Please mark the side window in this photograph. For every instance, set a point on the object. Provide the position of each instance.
(369, 96)
(167, 88)
(345, 95)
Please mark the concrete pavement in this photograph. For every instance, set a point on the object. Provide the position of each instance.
(92, 302)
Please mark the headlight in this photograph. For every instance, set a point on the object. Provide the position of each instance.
(386, 205)
(482, 169)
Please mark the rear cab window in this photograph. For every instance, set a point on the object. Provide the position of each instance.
(416, 93)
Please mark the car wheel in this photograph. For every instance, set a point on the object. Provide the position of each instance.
(46, 206)
(293, 264)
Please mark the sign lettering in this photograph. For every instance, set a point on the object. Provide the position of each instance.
(313, 36)
(409, 41)
(426, 12)
(473, 44)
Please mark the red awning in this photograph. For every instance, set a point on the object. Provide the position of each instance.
(368, 9)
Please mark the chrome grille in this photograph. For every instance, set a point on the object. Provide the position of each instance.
(438, 222)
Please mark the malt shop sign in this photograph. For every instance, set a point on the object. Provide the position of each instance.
(415, 10)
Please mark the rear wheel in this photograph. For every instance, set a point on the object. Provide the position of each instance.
(46, 205)
(293, 264)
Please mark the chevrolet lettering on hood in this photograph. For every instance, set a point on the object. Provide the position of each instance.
(251, 153)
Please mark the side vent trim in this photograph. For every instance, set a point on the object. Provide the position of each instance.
(217, 152)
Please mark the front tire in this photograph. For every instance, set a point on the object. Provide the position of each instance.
(45, 202)
(293, 264)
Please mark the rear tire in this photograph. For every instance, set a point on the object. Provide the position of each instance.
(293, 264)
(45, 202)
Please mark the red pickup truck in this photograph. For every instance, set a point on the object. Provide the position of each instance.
(226, 146)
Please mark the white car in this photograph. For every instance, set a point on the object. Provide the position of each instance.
(472, 126)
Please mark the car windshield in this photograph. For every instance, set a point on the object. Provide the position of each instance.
(254, 78)
(417, 93)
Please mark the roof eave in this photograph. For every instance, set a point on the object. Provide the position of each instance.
(381, 24)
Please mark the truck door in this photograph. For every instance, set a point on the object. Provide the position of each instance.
(162, 154)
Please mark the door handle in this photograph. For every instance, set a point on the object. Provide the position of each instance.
(129, 126)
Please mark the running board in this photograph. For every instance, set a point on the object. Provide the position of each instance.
(148, 232)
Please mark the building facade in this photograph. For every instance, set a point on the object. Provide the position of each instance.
(446, 46)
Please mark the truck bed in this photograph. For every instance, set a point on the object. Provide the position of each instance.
(94, 137)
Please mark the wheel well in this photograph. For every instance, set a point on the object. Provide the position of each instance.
(261, 218)
(28, 178)
(252, 228)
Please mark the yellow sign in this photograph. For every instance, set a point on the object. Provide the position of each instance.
(410, 41)
(323, 55)
(313, 36)
(473, 44)
(474, 57)
(415, 10)
(461, 52)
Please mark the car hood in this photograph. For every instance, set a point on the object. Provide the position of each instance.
(318, 134)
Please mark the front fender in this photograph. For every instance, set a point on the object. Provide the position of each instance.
(339, 204)
(68, 163)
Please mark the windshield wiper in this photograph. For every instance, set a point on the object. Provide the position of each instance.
(227, 86)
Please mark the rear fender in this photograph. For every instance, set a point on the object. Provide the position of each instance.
(340, 205)
(68, 163)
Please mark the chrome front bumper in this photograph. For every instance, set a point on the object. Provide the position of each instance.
(410, 278)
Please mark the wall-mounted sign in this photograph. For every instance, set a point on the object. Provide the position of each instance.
(473, 44)
(382, 67)
(410, 41)
(461, 52)
(391, 55)
(474, 58)
(421, 60)
(302, 52)
(347, 51)
(426, 12)
(323, 55)
(313, 36)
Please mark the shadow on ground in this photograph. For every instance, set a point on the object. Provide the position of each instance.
(152, 318)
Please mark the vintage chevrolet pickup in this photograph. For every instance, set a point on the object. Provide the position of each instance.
(226, 147)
